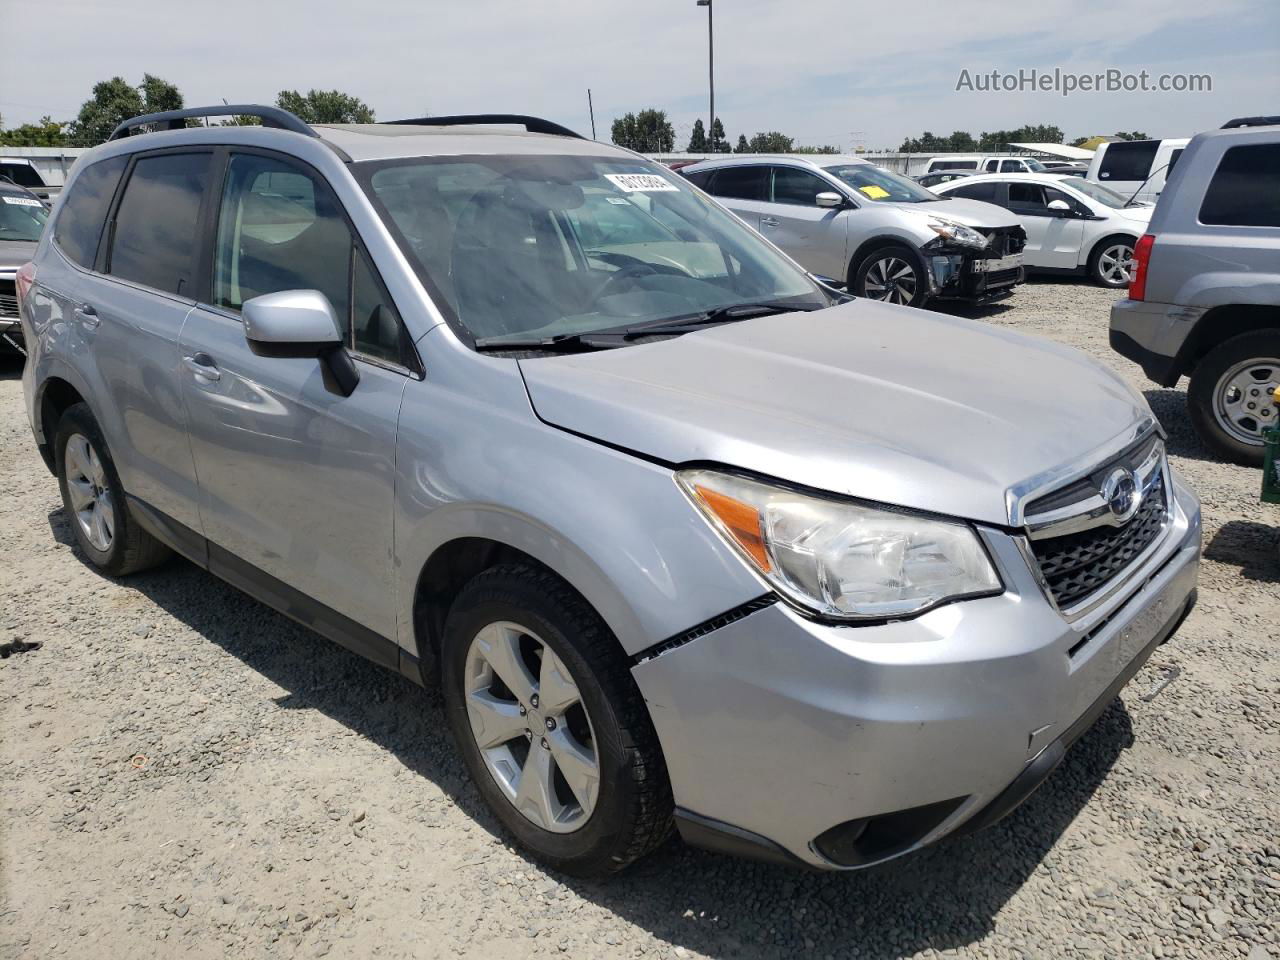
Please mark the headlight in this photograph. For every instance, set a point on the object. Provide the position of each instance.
(957, 233)
(839, 559)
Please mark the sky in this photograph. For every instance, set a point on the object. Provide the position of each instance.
(840, 72)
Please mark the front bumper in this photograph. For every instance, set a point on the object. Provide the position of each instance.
(1152, 335)
(837, 747)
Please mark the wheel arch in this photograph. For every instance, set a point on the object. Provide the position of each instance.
(55, 396)
(1103, 240)
(1220, 324)
(871, 244)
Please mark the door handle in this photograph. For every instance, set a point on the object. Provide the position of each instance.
(202, 365)
(769, 221)
(87, 315)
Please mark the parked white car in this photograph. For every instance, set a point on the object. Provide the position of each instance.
(1135, 169)
(1071, 224)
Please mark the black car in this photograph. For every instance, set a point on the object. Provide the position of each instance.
(22, 219)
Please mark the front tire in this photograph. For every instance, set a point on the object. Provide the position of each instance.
(1231, 398)
(586, 792)
(1111, 263)
(94, 499)
(891, 274)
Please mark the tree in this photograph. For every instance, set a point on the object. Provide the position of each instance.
(825, 148)
(743, 146)
(771, 142)
(46, 133)
(1132, 135)
(159, 95)
(325, 106)
(962, 142)
(698, 140)
(648, 131)
(113, 101)
(719, 142)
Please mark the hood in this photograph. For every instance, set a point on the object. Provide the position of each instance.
(1136, 214)
(14, 253)
(865, 399)
(972, 213)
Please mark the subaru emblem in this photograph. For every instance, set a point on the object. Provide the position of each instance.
(1120, 493)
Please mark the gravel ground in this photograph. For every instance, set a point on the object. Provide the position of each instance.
(186, 773)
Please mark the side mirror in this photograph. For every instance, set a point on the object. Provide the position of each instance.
(829, 199)
(1059, 208)
(300, 323)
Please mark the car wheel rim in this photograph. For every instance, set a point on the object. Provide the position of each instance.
(531, 727)
(1115, 264)
(91, 502)
(1244, 399)
(892, 280)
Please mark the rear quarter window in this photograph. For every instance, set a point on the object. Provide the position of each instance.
(1245, 189)
(83, 211)
(1130, 160)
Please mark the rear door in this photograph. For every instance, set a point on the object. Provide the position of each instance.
(815, 237)
(743, 189)
(132, 319)
(1053, 239)
(296, 480)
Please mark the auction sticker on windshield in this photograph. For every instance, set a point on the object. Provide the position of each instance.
(640, 182)
(22, 201)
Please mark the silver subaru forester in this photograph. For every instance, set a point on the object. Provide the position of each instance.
(686, 537)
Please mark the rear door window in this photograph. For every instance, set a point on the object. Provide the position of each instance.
(741, 183)
(154, 238)
(83, 210)
(1245, 189)
(975, 191)
(1128, 160)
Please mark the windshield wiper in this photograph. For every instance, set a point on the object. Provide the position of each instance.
(695, 321)
(560, 343)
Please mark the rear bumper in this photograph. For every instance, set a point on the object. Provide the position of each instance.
(840, 747)
(1152, 335)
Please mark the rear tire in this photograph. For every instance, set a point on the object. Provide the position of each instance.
(607, 800)
(1234, 374)
(94, 499)
(892, 274)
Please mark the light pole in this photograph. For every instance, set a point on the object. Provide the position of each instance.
(711, 73)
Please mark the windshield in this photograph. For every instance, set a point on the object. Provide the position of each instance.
(547, 246)
(873, 183)
(1034, 165)
(1096, 192)
(21, 217)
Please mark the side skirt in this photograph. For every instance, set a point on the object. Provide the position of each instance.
(278, 595)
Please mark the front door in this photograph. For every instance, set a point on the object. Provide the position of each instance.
(1053, 237)
(814, 236)
(296, 480)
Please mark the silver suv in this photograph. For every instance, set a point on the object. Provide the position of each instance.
(877, 234)
(1205, 298)
(682, 539)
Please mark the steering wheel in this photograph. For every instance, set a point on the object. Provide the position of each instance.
(627, 271)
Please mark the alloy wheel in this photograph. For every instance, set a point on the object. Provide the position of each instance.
(1244, 399)
(890, 279)
(531, 727)
(1115, 264)
(90, 495)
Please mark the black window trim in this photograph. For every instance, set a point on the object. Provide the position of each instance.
(411, 364)
(102, 263)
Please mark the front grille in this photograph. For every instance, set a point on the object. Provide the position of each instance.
(8, 299)
(1076, 565)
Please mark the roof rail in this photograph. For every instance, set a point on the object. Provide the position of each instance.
(532, 124)
(176, 119)
(1251, 122)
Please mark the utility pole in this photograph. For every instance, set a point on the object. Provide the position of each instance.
(711, 73)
